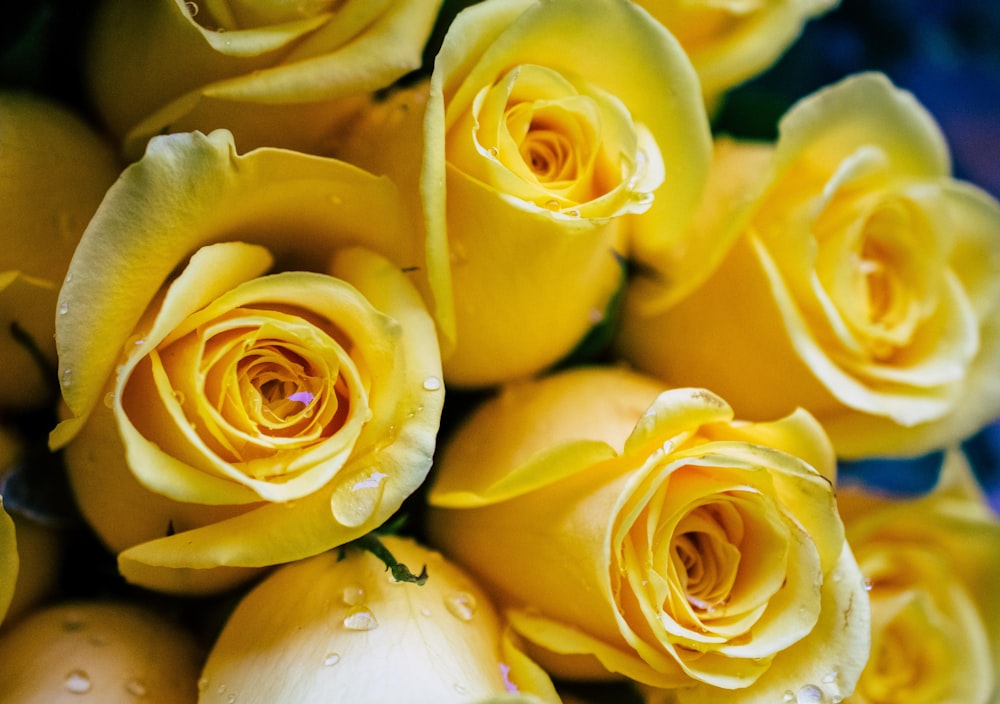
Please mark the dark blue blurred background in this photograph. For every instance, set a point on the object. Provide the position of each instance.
(945, 52)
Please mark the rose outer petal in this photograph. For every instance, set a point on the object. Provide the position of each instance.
(8, 561)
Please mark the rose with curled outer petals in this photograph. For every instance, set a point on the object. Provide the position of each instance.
(331, 627)
(249, 418)
(731, 41)
(862, 282)
(932, 565)
(542, 162)
(274, 73)
(647, 533)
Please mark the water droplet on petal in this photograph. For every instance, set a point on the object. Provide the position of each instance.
(69, 277)
(231, 699)
(109, 399)
(868, 584)
(360, 618)
(494, 152)
(810, 694)
(63, 308)
(202, 684)
(136, 688)
(353, 595)
(67, 378)
(432, 383)
(356, 498)
(72, 623)
(789, 696)
(192, 8)
(331, 659)
(831, 677)
(425, 612)
(461, 605)
(77, 682)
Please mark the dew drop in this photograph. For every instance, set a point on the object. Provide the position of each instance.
(136, 688)
(868, 584)
(810, 694)
(202, 684)
(461, 605)
(69, 278)
(77, 682)
(432, 383)
(109, 399)
(494, 152)
(72, 623)
(63, 308)
(425, 612)
(331, 659)
(356, 498)
(789, 696)
(552, 204)
(231, 699)
(221, 689)
(360, 618)
(573, 213)
(192, 8)
(67, 378)
(831, 677)
(353, 595)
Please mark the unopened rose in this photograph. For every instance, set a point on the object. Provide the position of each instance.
(248, 380)
(933, 566)
(111, 652)
(731, 41)
(274, 73)
(543, 163)
(862, 281)
(340, 628)
(54, 169)
(630, 530)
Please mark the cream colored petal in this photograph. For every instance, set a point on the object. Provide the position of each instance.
(330, 627)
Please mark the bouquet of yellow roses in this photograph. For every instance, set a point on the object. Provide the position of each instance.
(423, 351)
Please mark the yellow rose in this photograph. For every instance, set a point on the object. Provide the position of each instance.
(271, 72)
(647, 533)
(102, 651)
(933, 566)
(221, 415)
(538, 155)
(862, 282)
(54, 170)
(731, 41)
(340, 628)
